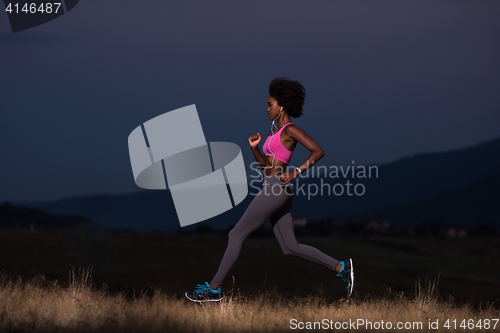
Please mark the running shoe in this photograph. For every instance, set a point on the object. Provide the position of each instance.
(347, 275)
(204, 293)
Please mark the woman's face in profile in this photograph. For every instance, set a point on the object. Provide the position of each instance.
(273, 108)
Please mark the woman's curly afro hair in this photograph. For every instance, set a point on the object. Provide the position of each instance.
(289, 94)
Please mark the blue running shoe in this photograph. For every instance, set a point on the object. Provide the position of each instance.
(204, 293)
(347, 275)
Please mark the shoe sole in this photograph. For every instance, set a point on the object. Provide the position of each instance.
(198, 301)
(352, 277)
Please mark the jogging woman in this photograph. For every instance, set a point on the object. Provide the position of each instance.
(274, 201)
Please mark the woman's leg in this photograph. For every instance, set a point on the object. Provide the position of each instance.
(262, 207)
(283, 230)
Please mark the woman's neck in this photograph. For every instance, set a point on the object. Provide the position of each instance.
(283, 121)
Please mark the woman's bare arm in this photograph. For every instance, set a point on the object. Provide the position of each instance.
(303, 138)
(254, 141)
(311, 145)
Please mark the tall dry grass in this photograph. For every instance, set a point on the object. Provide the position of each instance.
(78, 306)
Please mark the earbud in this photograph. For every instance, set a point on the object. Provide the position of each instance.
(281, 109)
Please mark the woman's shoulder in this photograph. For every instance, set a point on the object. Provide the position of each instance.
(285, 128)
(290, 128)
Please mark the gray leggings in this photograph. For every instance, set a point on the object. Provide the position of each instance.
(274, 202)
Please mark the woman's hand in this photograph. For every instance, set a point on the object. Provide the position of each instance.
(254, 140)
(289, 176)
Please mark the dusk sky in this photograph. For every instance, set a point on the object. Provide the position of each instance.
(383, 79)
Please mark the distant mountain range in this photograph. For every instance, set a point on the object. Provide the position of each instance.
(458, 186)
(454, 186)
(12, 217)
(475, 202)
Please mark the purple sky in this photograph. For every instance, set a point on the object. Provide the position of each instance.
(384, 79)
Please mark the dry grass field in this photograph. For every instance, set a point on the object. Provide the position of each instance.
(39, 305)
(76, 281)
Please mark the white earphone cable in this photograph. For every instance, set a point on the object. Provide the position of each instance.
(270, 141)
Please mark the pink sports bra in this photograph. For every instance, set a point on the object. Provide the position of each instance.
(280, 152)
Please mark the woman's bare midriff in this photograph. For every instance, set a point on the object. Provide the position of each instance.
(278, 166)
